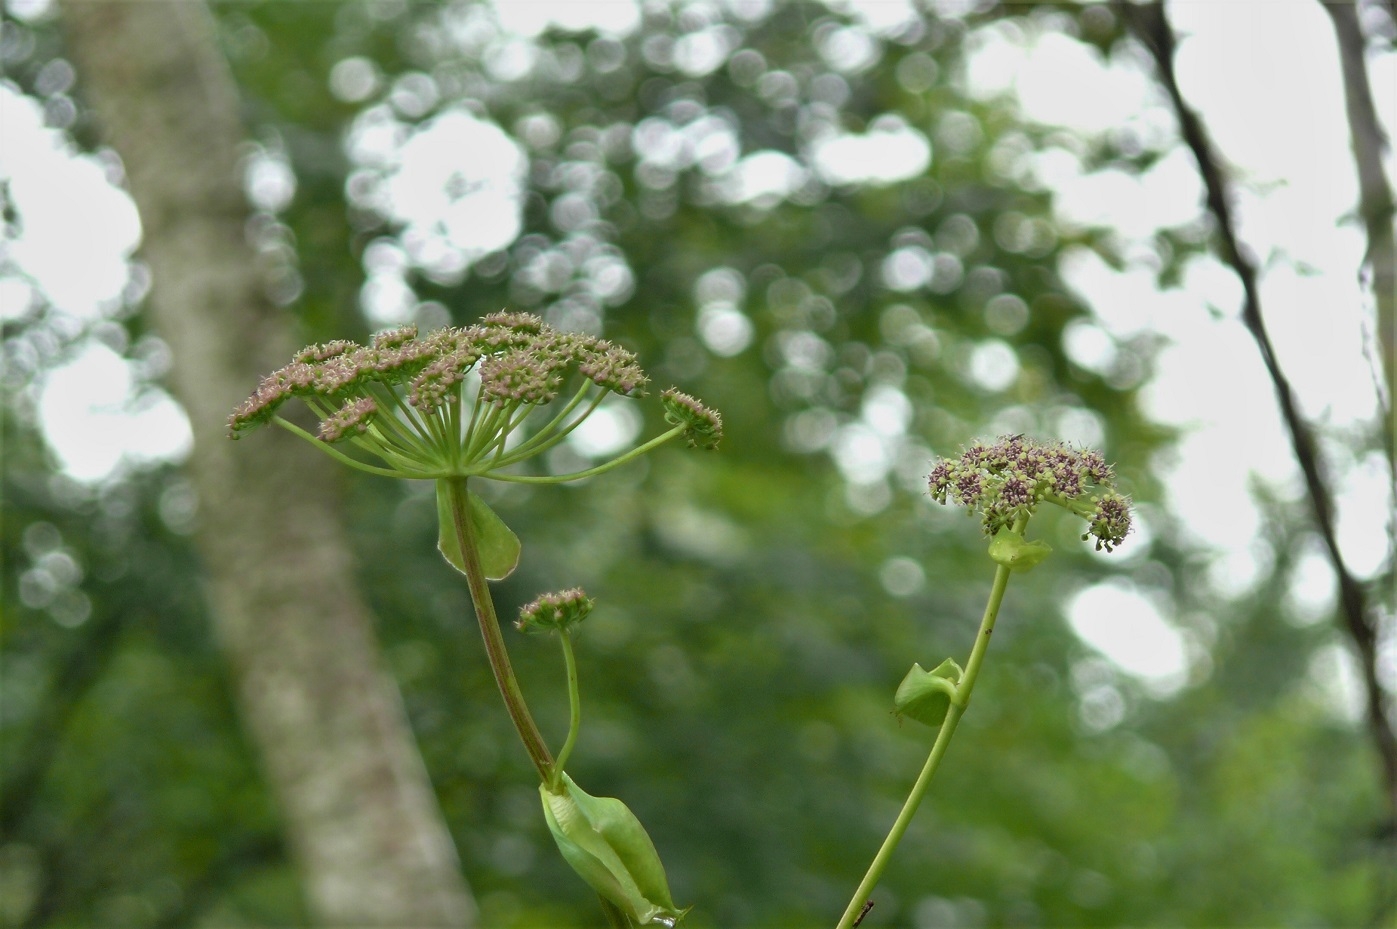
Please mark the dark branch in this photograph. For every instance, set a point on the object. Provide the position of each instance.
(1375, 202)
(1149, 24)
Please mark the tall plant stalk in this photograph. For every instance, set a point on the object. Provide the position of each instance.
(959, 701)
(495, 651)
(408, 404)
(1005, 483)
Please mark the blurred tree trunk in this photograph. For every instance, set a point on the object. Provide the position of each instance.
(362, 819)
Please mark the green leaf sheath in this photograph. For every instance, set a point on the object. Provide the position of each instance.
(610, 850)
(496, 543)
(926, 695)
(1010, 549)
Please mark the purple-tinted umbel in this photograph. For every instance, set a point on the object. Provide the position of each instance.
(448, 403)
(520, 359)
(1011, 477)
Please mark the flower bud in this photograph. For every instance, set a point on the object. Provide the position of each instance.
(702, 427)
(556, 611)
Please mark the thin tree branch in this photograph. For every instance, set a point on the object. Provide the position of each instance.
(1375, 208)
(1149, 23)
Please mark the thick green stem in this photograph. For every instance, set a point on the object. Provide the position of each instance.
(494, 639)
(943, 739)
(575, 711)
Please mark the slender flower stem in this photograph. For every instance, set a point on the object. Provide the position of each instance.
(943, 739)
(340, 456)
(407, 419)
(636, 452)
(553, 432)
(494, 639)
(574, 707)
(547, 431)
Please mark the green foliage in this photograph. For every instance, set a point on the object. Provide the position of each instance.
(746, 636)
(130, 795)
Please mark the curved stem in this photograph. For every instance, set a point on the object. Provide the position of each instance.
(352, 462)
(574, 708)
(959, 702)
(495, 650)
(659, 440)
(551, 434)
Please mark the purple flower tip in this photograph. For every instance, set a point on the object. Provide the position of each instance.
(1011, 477)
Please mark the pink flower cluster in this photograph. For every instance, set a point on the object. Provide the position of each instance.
(519, 358)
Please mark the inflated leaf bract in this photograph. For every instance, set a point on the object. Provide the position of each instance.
(610, 850)
(926, 695)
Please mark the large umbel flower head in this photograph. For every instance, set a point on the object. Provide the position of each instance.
(1009, 479)
(449, 404)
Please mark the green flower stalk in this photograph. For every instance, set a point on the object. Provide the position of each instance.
(599, 836)
(479, 402)
(1004, 484)
(559, 613)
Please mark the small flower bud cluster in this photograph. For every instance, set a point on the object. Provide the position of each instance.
(314, 353)
(521, 376)
(514, 322)
(438, 384)
(349, 419)
(1010, 478)
(703, 428)
(555, 611)
(614, 368)
(1110, 521)
(392, 338)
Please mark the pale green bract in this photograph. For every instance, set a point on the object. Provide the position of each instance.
(498, 545)
(926, 695)
(609, 848)
(1016, 553)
